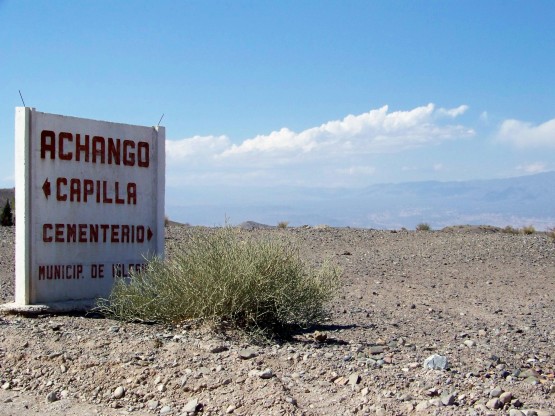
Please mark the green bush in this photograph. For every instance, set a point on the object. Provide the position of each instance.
(223, 275)
(423, 227)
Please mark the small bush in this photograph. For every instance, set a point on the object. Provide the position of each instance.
(223, 275)
(283, 224)
(528, 230)
(551, 233)
(166, 221)
(510, 230)
(423, 227)
(6, 216)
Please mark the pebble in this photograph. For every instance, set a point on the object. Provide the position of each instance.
(152, 404)
(436, 362)
(469, 343)
(506, 397)
(496, 392)
(53, 396)
(230, 409)
(494, 404)
(448, 399)
(247, 353)
(516, 412)
(119, 392)
(354, 379)
(191, 406)
(166, 410)
(266, 374)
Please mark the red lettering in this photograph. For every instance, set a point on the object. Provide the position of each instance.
(71, 233)
(115, 233)
(75, 190)
(114, 151)
(104, 228)
(143, 154)
(118, 199)
(59, 233)
(93, 232)
(125, 233)
(45, 236)
(47, 144)
(81, 147)
(105, 198)
(132, 193)
(98, 148)
(82, 233)
(88, 189)
(140, 234)
(128, 156)
(61, 154)
(59, 195)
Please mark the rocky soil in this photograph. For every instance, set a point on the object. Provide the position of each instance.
(481, 303)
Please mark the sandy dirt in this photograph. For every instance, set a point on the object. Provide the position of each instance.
(483, 300)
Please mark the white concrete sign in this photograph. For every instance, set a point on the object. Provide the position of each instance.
(89, 204)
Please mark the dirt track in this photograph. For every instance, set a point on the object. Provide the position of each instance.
(485, 301)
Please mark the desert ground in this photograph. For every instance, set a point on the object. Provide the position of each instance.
(482, 301)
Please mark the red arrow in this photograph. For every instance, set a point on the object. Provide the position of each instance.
(46, 188)
(149, 234)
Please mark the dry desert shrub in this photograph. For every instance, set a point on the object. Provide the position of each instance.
(423, 227)
(529, 229)
(283, 224)
(223, 275)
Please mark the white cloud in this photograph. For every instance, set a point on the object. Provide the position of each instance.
(454, 112)
(536, 167)
(357, 171)
(523, 134)
(438, 167)
(338, 147)
(376, 131)
(194, 147)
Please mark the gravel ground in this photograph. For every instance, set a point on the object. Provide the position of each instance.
(482, 301)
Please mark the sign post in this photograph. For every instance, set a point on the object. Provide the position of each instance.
(89, 204)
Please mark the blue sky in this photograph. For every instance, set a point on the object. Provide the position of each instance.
(296, 93)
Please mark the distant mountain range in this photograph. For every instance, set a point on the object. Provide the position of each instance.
(518, 201)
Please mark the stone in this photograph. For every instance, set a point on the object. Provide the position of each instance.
(354, 379)
(422, 406)
(528, 373)
(247, 354)
(53, 396)
(506, 397)
(118, 393)
(6, 386)
(436, 362)
(230, 409)
(216, 349)
(516, 412)
(266, 374)
(496, 392)
(191, 406)
(494, 404)
(532, 380)
(448, 399)
(376, 349)
(166, 410)
(469, 343)
(152, 404)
